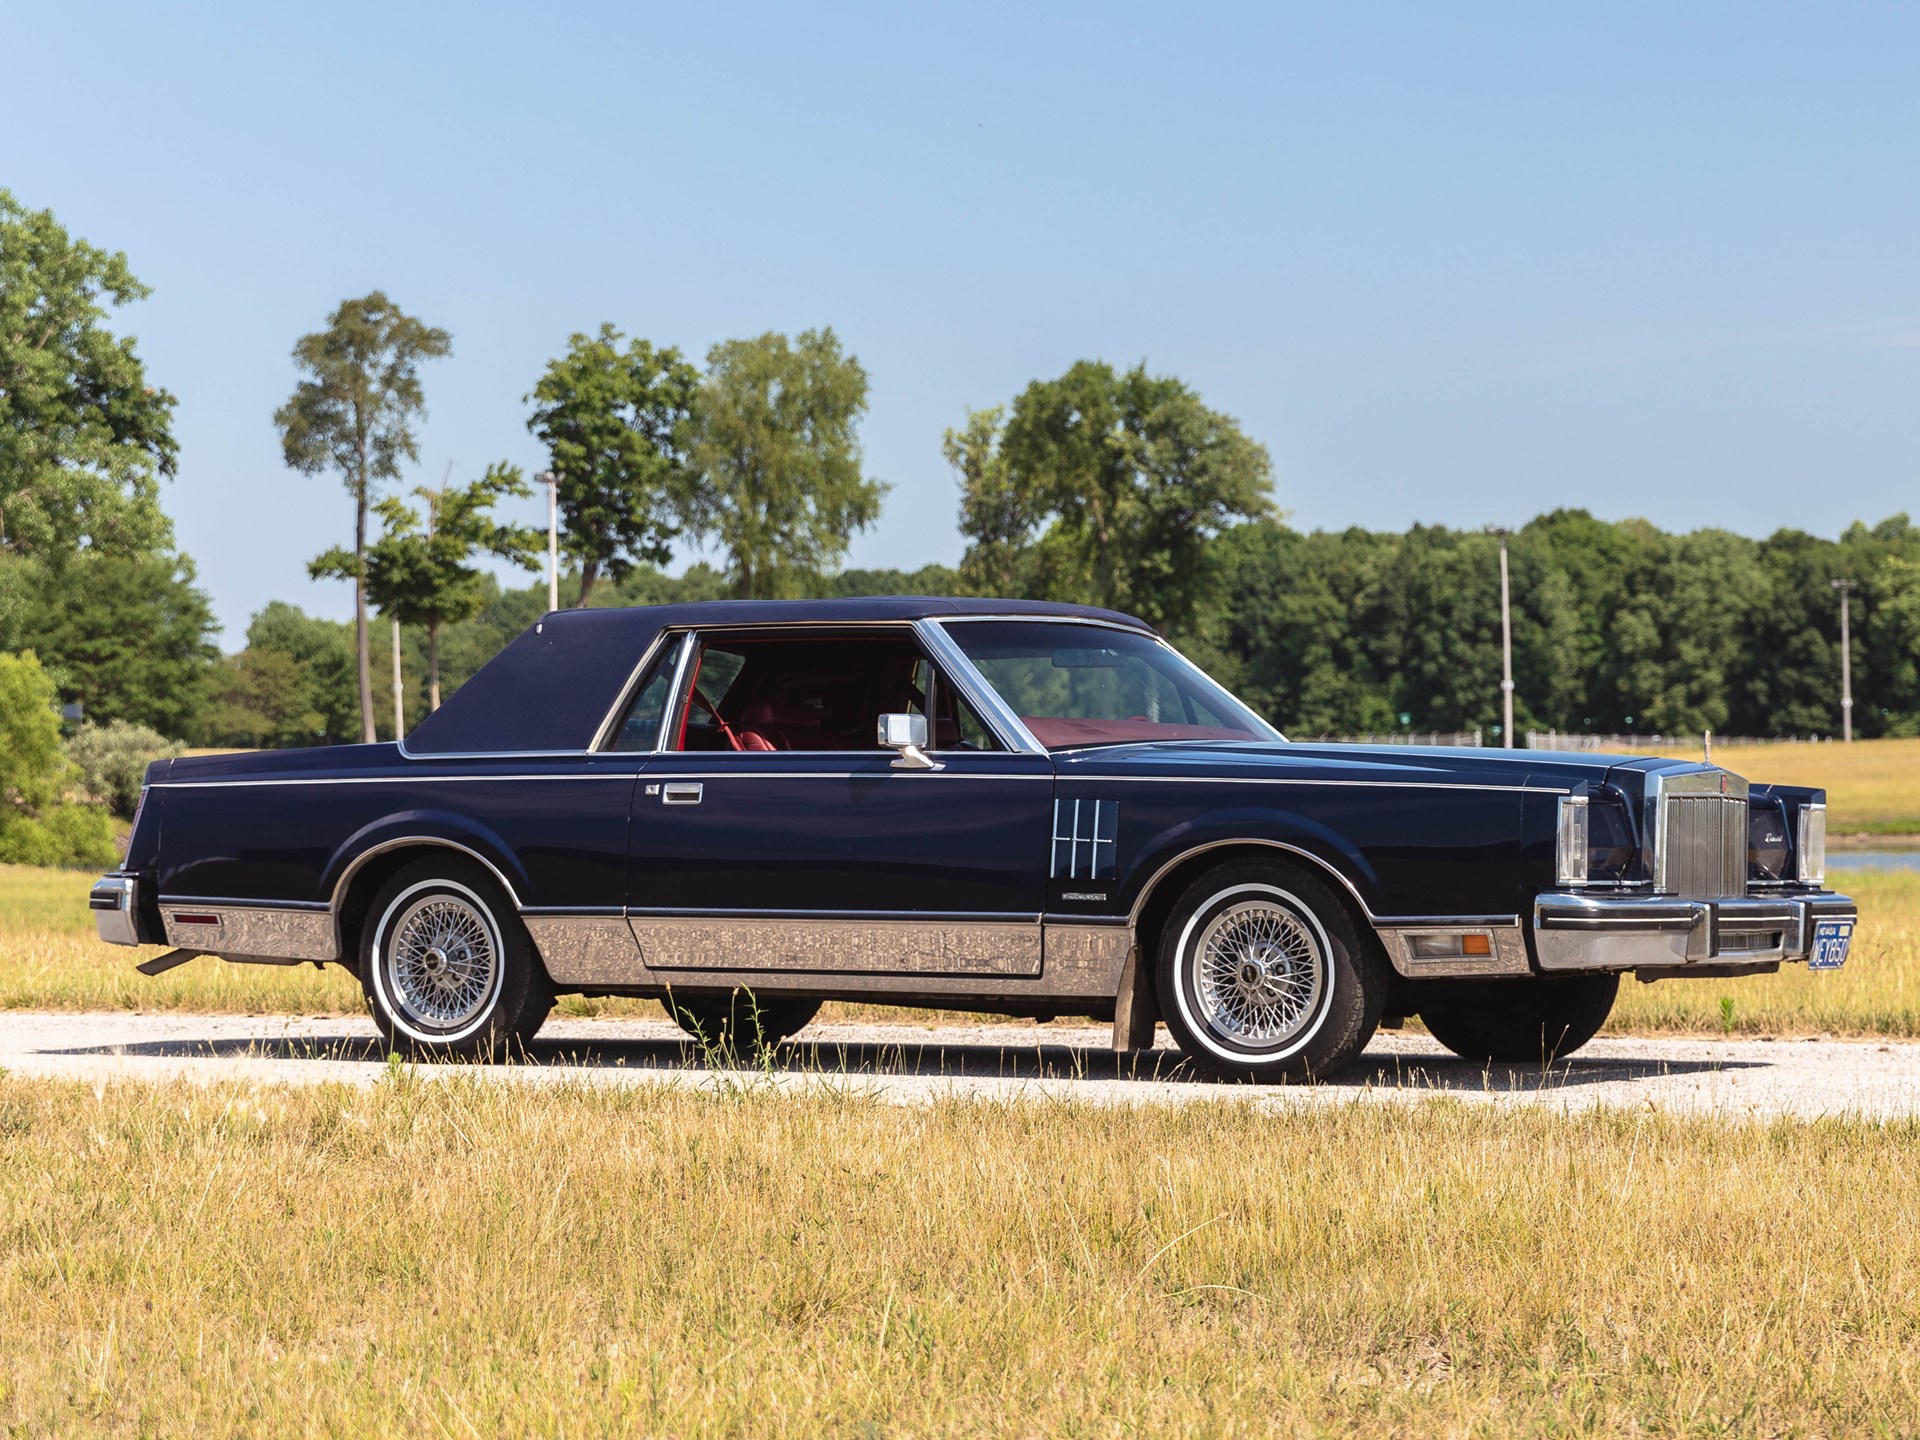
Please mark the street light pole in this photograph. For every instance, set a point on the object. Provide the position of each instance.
(1845, 587)
(1506, 643)
(552, 481)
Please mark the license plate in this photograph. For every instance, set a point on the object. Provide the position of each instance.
(1830, 941)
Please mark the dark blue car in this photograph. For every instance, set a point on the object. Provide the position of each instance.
(748, 808)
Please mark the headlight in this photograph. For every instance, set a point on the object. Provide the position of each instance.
(1811, 846)
(1594, 841)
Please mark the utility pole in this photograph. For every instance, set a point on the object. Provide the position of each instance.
(1845, 587)
(1506, 644)
(399, 710)
(552, 481)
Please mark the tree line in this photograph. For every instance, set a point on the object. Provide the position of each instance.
(1112, 486)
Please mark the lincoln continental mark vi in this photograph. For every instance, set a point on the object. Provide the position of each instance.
(748, 808)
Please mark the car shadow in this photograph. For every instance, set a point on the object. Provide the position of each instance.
(932, 1058)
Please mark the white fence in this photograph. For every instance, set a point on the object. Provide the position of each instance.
(1555, 740)
(1398, 737)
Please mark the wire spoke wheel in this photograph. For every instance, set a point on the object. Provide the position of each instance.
(443, 961)
(1259, 974)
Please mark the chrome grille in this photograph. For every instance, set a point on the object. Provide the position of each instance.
(1703, 843)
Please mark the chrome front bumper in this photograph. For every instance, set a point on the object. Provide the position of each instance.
(1629, 932)
(113, 900)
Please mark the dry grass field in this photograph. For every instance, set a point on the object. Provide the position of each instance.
(1873, 786)
(463, 1259)
(50, 960)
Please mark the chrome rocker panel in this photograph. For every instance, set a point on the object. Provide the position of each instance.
(1621, 932)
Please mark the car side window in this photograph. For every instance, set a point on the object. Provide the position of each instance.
(640, 726)
(820, 690)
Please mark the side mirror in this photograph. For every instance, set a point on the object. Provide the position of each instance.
(908, 735)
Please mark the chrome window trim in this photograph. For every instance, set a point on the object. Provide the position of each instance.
(1013, 722)
(938, 647)
(610, 722)
(679, 696)
(986, 701)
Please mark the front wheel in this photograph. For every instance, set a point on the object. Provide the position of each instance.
(1263, 975)
(1533, 1021)
(448, 969)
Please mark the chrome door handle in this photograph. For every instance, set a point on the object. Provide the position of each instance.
(685, 793)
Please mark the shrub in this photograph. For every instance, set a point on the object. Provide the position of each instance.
(36, 826)
(80, 836)
(113, 760)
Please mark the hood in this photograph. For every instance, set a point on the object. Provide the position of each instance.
(1461, 765)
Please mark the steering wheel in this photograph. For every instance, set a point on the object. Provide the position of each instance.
(726, 730)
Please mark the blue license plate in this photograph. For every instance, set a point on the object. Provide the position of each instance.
(1830, 941)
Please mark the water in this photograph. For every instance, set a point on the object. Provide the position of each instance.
(1839, 861)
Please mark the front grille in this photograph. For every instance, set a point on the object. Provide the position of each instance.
(1703, 845)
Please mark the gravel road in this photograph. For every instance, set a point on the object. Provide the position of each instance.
(914, 1063)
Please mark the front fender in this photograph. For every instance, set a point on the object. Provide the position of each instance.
(1287, 831)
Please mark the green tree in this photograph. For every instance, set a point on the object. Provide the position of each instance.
(323, 652)
(128, 637)
(1109, 487)
(780, 458)
(263, 698)
(354, 414)
(422, 573)
(36, 826)
(617, 424)
(84, 437)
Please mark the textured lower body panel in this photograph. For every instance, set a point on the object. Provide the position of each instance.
(875, 957)
(270, 933)
(838, 947)
(587, 949)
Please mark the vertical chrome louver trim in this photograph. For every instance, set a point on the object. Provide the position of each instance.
(1701, 835)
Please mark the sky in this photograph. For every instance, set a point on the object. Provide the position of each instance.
(1455, 264)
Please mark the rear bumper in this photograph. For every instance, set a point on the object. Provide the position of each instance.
(115, 902)
(1620, 932)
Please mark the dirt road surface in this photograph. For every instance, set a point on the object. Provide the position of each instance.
(914, 1063)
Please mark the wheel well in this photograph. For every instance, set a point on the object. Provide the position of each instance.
(1167, 887)
(350, 911)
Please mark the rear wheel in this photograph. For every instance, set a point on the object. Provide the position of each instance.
(739, 1021)
(1263, 976)
(447, 967)
(1532, 1021)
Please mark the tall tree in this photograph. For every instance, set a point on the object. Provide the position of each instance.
(421, 572)
(618, 423)
(355, 415)
(129, 637)
(1110, 487)
(780, 457)
(84, 437)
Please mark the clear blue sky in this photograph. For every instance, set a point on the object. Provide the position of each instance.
(1451, 263)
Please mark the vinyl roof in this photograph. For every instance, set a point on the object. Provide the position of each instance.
(550, 688)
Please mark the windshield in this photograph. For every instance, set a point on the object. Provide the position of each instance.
(1074, 685)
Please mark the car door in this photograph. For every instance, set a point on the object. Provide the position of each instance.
(774, 834)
